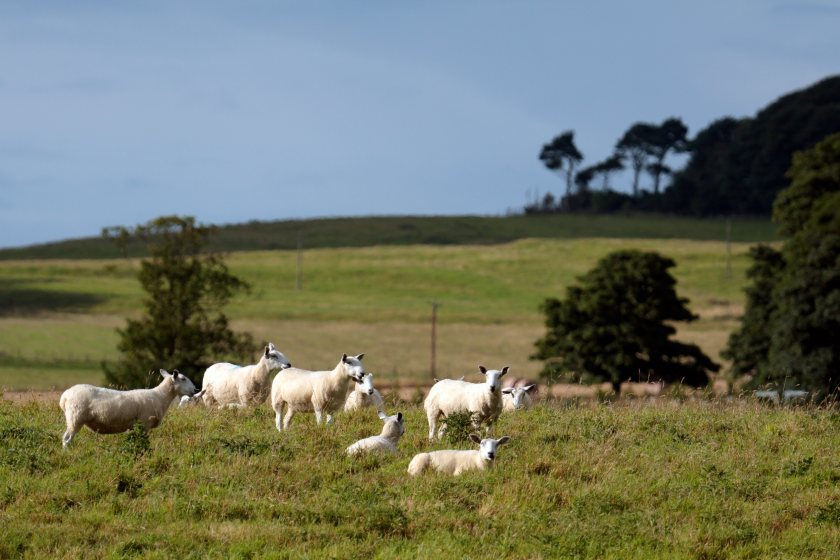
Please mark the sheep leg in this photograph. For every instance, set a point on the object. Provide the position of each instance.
(432, 417)
(329, 419)
(288, 418)
(73, 428)
(317, 416)
(278, 421)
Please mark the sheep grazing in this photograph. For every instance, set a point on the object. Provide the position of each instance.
(300, 390)
(364, 395)
(516, 398)
(108, 411)
(455, 462)
(231, 385)
(385, 442)
(190, 400)
(482, 400)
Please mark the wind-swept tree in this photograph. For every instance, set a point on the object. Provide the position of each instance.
(562, 156)
(182, 325)
(670, 136)
(616, 324)
(636, 146)
(605, 168)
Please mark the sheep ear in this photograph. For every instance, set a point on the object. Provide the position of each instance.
(271, 346)
(370, 375)
(507, 391)
(529, 387)
(165, 373)
(502, 440)
(482, 369)
(360, 356)
(382, 416)
(475, 438)
(399, 416)
(267, 351)
(344, 358)
(504, 370)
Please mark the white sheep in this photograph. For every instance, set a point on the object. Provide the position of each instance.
(301, 390)
(516, 398)
(108, 411)
(190, 400)
(231, 385)
(455, 462)
(386, 441)
(482, 400)
(364, 395)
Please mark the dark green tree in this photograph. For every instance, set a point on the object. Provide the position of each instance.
(561, 155)
(615, 325)
(670, 136)
(636, 146)
(749, 346)
(186, 288)
(605, 168)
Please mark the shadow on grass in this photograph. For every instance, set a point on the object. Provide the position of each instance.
(17, 298)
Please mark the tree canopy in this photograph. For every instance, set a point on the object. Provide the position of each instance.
(615, 325)
(186, 288)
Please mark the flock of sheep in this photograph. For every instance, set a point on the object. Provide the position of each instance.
(292, 390)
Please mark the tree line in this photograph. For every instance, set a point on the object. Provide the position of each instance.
(735, 166)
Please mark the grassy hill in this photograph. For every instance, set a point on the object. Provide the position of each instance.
(703, 480)
(436, 230)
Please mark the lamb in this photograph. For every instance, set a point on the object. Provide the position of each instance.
(455, 462)
(187, 400)
(392, 431)
(108, 411)
(319, 391)
(231, 385)
(364, 395)
(482, 400)
(516, 398)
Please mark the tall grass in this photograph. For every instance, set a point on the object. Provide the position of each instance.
(707, 479)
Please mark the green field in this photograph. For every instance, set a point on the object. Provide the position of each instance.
(58, 317)
(708, 479)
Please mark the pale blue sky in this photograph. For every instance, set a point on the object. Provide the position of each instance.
(114, 113)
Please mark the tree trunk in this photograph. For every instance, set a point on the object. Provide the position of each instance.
(616, 387)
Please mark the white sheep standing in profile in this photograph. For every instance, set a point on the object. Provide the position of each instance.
(482, 400)
(455, 462)
(109, 411)
(232, 385)
(300, 390)
(386, 442)
(516, 398)
(364, 395)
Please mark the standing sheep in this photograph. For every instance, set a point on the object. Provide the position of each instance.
(392, 431)
(231, 385)
(482, 400)
(454, 462)
(516, 398)
(301, 390)
(364, 395)
(108, 411)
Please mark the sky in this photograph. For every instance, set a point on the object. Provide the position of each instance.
(113, 113)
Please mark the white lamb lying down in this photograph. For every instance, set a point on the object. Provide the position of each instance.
(364, 395)
(516, 398)
(318, 391)
(454, 462)
(187, 400)
(231, 385)
(109, 411)
(385, 442)
(482, 400)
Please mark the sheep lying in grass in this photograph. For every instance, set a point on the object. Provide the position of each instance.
(385, 442)
(482, 400)
(516, 398)
(108, 411)
(454, 462)
(190, 400)
(300, 390)
(364, 395)
(228, 384)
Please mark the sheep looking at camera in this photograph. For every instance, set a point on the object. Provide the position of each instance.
(455, 462)
(482, 400)
(232, 385)
(299, 390)
(516, 398)
(364, 395)
(108, 411)
(386, 441)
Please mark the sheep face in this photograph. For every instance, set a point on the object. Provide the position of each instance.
(395, 422)
(487, 448)
(183, 386)
(187, 400)
(276, 360)
(366, 384)
(354, 368)
(493, 377)
(518, 395)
